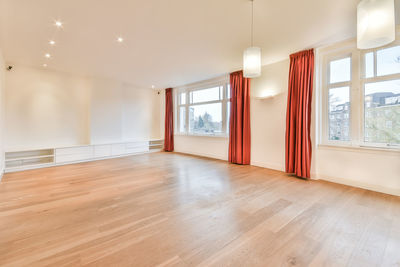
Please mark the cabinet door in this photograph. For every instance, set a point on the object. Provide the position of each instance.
(118, 149)
(74, 150)
(136, 147)
(102, 151)
(74, 154)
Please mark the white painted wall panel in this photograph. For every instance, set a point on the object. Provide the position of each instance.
(45, 109)
(48, 108)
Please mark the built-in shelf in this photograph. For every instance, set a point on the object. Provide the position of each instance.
(40, 158)
(156, 144)
(29, 159)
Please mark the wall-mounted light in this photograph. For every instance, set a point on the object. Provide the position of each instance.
(376, 24)
(267, 93)
(47, 55)
(52, 42)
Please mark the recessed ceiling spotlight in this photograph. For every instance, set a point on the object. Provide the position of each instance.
(120, 39)
(47, 55)
(58, 24)
(44, 65)
(52, 42)
(152, 87)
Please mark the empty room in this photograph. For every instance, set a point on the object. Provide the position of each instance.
(200, 133)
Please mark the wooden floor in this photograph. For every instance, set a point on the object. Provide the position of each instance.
(178, 210)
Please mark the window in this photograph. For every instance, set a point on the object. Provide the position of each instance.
(382, 112)
(361, 108)
(339, 70)
(204, 110)
(339, 99)
(339, 123)
(388, 61)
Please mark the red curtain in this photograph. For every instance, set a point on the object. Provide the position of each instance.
(169, 121)
(239, 134)
(298, 115)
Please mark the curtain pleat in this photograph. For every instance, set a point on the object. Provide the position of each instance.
(298, 115)
(169, 121)
(239, 134)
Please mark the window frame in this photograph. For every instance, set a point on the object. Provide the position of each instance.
(374, 79)
(188, 89)
(357, 91)
(329, 86)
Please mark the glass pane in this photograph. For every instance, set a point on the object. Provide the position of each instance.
(340, 70)
(183, 99)
(339, 114)
(382, 112)
(210, 94)
(205, 119)
(388, 61)
(369, 65)
(182, 119)
(228, 91)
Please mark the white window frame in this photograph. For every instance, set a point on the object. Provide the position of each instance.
(328, 86)
(188, 89)
(357, 83)
(364, 80)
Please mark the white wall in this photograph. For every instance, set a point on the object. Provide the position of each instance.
(377, 170)
(47, 108)
(2, 83)
(366, 168)
(212, 147)
(121, 112)
(268, 116)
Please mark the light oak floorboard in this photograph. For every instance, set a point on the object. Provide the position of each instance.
(169, 209)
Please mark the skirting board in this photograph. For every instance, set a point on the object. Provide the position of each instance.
(314, 176)
(272, 166)
(376, 188)
(206, 155)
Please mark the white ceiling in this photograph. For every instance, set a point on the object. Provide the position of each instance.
(167, 42)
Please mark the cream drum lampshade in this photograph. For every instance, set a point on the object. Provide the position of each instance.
(376, 24)
(252, 62)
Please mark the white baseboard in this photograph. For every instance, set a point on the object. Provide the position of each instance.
(206, 155)
(272, 166)
(344, 181)
(314, 176)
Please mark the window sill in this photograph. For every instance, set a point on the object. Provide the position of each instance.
(202, 135)
(367, 149)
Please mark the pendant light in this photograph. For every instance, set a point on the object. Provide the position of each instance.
(376, 24)
(252, 55)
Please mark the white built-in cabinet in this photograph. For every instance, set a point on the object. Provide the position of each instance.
(40, 158)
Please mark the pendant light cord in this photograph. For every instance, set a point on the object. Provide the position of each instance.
(252, 22)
